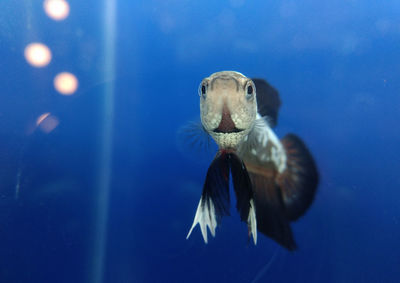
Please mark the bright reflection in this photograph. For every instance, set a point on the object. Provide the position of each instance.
(58, 10)
(41, 118)
(47, 122)
(37, 54)
(66, 83)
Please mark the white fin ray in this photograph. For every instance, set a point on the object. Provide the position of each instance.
(252, 222)
(205, 217)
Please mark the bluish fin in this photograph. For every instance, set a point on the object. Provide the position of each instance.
(299, 181)
(270, 210)
(268, 101)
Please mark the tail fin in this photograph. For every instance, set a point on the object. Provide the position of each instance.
(298, 183)
(284, 197)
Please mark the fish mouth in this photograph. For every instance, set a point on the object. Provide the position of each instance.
(229, 131)
(226, 126)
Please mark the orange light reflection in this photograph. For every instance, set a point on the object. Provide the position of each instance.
(41, 118)
(66, 83)
(37, 54)
(58, 10)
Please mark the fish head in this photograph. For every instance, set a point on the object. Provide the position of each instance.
(228, 107)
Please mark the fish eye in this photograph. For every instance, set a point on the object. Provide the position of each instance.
(203, 89)
(249, 92)
(249, 89)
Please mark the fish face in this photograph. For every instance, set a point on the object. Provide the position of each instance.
(228, 107)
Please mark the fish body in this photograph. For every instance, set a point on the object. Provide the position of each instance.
(274, 180)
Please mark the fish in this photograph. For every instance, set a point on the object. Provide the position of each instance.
(274, 180)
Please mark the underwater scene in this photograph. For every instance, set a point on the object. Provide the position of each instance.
(199, 141)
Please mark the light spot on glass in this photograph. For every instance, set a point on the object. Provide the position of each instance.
(66, 83)
(37, 54)
(58, 10)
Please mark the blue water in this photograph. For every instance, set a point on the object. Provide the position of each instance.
(109, 194)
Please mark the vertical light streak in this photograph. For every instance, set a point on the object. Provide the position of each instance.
(105, 170)
(18, 185)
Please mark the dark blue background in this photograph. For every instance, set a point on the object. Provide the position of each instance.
(337, 67)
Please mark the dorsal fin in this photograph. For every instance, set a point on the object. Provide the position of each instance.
(268, 101)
